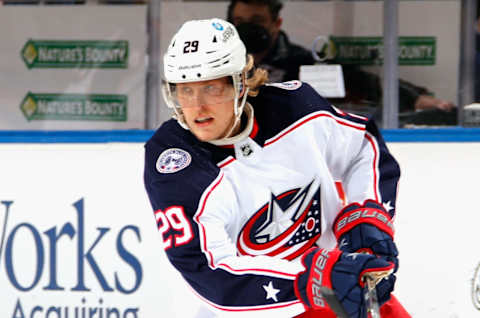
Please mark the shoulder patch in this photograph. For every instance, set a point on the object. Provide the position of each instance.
(173, 160)
(290, 85)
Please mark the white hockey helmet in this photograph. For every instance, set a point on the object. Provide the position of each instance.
(204, 50)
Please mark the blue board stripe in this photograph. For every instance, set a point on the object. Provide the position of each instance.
(96, 136)
(454, 134)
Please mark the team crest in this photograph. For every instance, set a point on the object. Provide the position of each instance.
(290, 85)
(173, 160)
(285, 227)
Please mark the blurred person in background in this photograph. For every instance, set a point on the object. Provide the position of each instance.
(259, 25)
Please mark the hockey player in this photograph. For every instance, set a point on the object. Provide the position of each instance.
(267, 195)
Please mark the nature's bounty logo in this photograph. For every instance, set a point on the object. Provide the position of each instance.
(89, 107)
(75, 54)
(368, 50)
(29, 53)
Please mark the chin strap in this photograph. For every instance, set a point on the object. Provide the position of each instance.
(238, 111)
(248, 110)
(240, 88)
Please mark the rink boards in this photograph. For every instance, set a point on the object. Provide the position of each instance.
(78, 237)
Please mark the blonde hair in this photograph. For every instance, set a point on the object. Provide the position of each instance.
(255, 77)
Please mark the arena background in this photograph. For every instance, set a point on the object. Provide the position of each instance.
(77, 234)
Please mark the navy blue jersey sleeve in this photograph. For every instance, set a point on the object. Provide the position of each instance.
(388, 170)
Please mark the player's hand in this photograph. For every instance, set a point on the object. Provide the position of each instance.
(366, 228)
(338, 274)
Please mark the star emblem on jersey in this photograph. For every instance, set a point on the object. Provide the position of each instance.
(388, 206)
(286, 226)
(271, 291)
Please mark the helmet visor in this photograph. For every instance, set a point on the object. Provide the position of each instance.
(201, 93)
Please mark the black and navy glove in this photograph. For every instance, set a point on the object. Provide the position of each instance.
(334, 279)
(368, 228)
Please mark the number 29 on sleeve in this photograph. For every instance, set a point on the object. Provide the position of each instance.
(174, 226)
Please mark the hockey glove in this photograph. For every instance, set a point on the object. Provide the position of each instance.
(366, 228)
(336, 278)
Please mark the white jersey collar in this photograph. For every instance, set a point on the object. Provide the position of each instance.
(248, 110)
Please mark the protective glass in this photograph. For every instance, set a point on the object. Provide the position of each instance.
(200, 93)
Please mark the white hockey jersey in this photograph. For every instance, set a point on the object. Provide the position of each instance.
(235, 218)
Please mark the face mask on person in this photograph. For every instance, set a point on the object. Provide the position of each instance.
(255, 37)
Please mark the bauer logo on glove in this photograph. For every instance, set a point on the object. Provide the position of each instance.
(366, 228)
(337, 278)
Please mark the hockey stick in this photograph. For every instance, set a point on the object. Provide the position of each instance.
(333, 302)
(371, 280)
(371, 301)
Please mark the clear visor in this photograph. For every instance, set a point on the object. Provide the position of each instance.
(200, 93)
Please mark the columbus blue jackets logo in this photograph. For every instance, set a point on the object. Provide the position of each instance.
(286, 226)
(173, 160)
